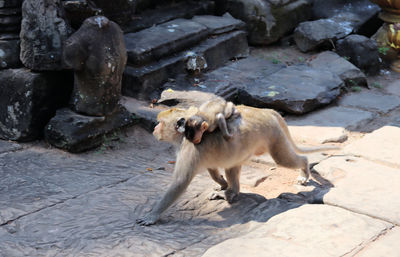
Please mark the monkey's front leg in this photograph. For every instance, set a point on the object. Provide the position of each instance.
(183, 174)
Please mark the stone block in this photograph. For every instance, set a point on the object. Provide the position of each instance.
(267, 21)
(318, 134)
(331, 231)
(28, 100)
(217, 51)
(165, 39)
(371, 101)
(9, 54)
(219, 24)
(10, 3)
(393, 88)
(385, 245)
(311, 35)
(77, 133)
(43, 32)
(296, 89)
(146, 82)
(361, 51)
(6, 146)
(361, 14)
(381, 145)
(362, 186)
(332, 117)
(119, 11)
(350, 74)
(178, 9)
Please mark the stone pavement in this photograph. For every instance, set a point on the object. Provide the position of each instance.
(54, 203)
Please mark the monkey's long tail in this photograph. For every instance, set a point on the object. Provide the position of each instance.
(298, 149)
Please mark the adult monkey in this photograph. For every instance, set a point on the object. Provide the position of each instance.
(255, 132)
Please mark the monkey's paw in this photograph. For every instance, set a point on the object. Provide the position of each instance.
(216, 196)
(231, 196)
(302, 180)
(221, 187)
(147, 220)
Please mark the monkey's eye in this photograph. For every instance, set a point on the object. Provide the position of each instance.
(180, 125)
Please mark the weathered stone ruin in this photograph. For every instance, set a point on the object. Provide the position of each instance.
(70, 68)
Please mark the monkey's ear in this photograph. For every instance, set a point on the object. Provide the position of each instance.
(204, 126)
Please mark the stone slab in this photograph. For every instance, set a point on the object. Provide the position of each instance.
(268, 21)
(228, 80)
(385, 245)
(318, 134)
(310, 35)
(310, 230)
(219, 50)
(393, 88)
(10, 3)
(44, 28)
(165, 39)
(77, 133)
(29, 99)
(380, 145)
(32, 180)
(7, 146)
(332, 117)
(368, 100)
(362, 186)
(163, 13)
(146, 82)
(261, 83)
(349, 73)
(141, 82)
(361, 14)
(219, 24)
(102, 194)
(296, 89)
(9, 54)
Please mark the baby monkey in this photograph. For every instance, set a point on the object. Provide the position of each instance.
(211, 114)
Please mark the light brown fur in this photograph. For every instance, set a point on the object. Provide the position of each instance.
(212, 114)
(256, 131)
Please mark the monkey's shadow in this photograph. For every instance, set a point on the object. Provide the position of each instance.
(255, 207)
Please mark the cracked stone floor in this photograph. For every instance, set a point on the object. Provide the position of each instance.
(54, 203)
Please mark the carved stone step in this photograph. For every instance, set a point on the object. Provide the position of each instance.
(150, 17)
(151, 44)
(156, 42)
(145, 82)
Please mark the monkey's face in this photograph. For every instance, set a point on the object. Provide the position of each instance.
(157, 132)
(194, 129)
(165, 131)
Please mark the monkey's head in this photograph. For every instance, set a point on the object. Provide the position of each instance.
(171, 124)
(194, 128)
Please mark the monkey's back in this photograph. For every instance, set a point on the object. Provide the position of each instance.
(254, 134)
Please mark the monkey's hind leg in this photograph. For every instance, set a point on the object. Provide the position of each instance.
(217, 177)
(223, 127)
(283, 154)
(232, 175)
